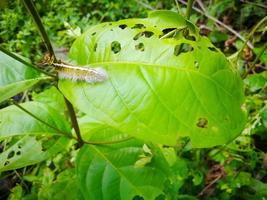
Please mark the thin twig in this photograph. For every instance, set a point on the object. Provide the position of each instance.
(220, 23)
(201, 5)
(24, 62)
(255, 4)
(32, 10)
(178, 7)
(209, 185)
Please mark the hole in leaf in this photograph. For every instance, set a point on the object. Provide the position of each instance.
(123, 26)
(186, 48)
(11, 154)
(138, 26)
(148, 34)
(185, 32)
(95, 46)
(196, 65)
(212, 49)
(237, 142)
(20, 145)
(202, 123)
(167, 30)
(140, 46)
(6, 163)
(93, 33)
(137, 36)
(115, 47)
(167, 33)
(52, 166)
(18, 153)
(190, 37)
(137, 197)
(182, 48)
(187, 35)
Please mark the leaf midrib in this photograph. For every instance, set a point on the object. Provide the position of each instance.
(97, 64)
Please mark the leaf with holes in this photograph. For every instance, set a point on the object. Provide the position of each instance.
(27, 151)
(30, 141)
(165, 81)
(15, 77)
(110, 172)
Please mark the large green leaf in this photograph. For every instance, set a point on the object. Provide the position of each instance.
(15, 77)
(119, 172)
(165, 81)
(30, 141)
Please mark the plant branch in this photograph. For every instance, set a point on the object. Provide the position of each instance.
(189, 9)
(24, 62)
(220, 23)
(74, 122)
(32, 10)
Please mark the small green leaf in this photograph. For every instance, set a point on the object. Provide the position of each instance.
(255, 82)
(28, 125)
(60, 187)
(15, 77)
(16, 193)
(263, 57)
(218, 36)
(12, 89)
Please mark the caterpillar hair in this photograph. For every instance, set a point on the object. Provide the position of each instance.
(76, 73)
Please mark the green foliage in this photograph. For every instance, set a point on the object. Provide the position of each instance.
(15, 77)
(37, 141)
(150, 92)
(169, 90)
(108, 173)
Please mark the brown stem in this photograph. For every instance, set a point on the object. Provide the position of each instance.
(32, 10)
(74, 122)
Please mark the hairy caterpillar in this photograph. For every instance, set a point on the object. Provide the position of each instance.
(75, 73)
